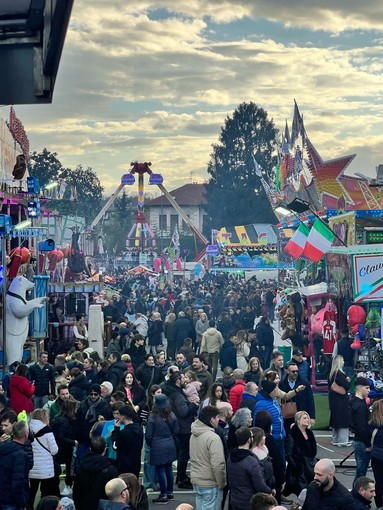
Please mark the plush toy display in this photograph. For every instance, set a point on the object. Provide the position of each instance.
(356, 317)
(17, 311)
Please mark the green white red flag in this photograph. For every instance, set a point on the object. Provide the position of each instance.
(319, 241)
(297, 243)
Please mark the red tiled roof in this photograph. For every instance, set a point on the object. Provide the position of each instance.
(188, 194)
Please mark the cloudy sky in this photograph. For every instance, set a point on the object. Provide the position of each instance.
(154, 81)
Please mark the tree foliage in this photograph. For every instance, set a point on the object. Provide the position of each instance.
(234, 193)
(118, 224)
(83, 192)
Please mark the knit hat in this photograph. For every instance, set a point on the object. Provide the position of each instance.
(95, 388)
(160, 402)
(268, 386)
(362, 381)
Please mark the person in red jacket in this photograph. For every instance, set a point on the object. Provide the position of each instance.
(236, 391)
(21, 390)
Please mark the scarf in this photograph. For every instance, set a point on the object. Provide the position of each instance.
(91, 414)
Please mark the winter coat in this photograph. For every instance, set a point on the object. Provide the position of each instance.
(301, 458)
(245, 477)
(304, 399)
(138, 395)
(14, 485)
(377, 447)
(207, 459)
(248, 401)
(64, 431)
(265, 335)
(128, 444)
(44, 447)
(137, 355)
(224, 327)
(169, 332)
(228, 355)
(87, 415)
(184, 410)
(21, 394)
(360, 416)
(339, 404)
(115, 373)
(91, 375)
(79, 387)
(235, 395)
(182, 330)
(212, 341)
(360, 503)
(243, 351)
(43, 379)
(267, 403)
(141, 324)
(160, 436)
(149, 375)
(106, 504)
(200, 328)
(337, 498)
(155, 332)
(93, 474)
(252, 376)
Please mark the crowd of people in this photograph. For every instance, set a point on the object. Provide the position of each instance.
(190, 375)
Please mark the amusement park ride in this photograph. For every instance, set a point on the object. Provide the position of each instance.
(141, 237)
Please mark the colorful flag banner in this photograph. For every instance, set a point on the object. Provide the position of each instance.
(319, 241)
(297, 243)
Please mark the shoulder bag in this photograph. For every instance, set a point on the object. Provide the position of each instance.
(336, 388)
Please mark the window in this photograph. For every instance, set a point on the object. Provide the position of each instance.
(173, 222)
(162, 223)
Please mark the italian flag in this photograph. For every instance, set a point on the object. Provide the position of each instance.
(319, 241)
(297, 243)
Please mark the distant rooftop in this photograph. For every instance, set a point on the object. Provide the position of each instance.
(188, 194)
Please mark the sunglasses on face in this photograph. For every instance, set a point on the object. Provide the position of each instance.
(93, 394)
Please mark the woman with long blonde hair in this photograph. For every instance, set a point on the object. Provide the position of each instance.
(339, 385)
(242, 348)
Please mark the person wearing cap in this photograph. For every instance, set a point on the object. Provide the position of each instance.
(162, 435)
(185, 412)
(207, 460)
(244, 472)
(116, 491)
(302, 364)
(360, 417)
(87, 415)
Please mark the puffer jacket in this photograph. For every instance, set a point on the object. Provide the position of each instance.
(245, 476)
(160, 436)
(207, 459)
(212, 341)
(21, 391)
(43, 379)
(267, 403)
(44, 447)
(14, 486)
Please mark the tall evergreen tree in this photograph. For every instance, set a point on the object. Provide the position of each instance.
(234, 193)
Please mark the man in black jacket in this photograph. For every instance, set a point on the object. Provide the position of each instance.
(360, 415)
(325, 492)
(89, 412)
(42, 375)
(343, 348)
(94, 471)
(185, 412)
(128, 442)
(363, 492)
(116, 369)
(304, 398)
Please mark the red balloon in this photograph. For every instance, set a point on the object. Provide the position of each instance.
(60, 255)
(66, 250)
(51, 253)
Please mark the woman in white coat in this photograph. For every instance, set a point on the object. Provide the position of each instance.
(44, 447)
(242, 348)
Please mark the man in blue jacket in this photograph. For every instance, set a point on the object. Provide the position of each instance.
(14, 469)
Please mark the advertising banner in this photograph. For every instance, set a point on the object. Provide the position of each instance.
(368, 277)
